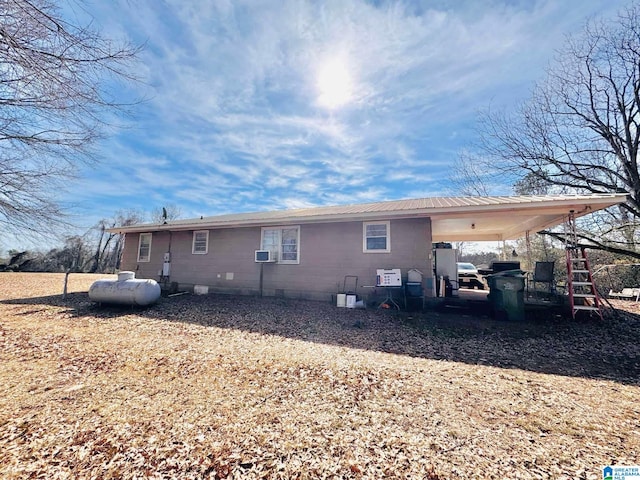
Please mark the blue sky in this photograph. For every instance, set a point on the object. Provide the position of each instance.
(261, 105)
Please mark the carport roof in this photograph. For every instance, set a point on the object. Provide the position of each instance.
(452, 218)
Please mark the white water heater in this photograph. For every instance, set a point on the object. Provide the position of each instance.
(166, 265)
(446, 260)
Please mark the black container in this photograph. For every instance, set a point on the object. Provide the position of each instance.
(503, 266)
(414, 289)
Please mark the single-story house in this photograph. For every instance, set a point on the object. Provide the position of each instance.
(314, 249)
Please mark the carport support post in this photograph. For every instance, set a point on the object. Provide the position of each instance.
(528, 240)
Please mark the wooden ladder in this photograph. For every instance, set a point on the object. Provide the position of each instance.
(583, 295)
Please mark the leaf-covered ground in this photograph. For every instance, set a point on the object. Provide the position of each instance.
(239, 387)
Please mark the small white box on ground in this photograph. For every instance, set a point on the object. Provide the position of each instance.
(351, 301)
(342, 300)
(201, 289)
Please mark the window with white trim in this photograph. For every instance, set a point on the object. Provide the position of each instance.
(144, 247)
(200, 244)
(376, 237)
(283, 242)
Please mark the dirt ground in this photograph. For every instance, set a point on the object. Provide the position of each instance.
(240, 387)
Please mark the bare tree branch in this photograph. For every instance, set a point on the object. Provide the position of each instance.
(56, 87)
(579, 133)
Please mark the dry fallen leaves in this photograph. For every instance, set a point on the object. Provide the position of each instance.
(237, 387)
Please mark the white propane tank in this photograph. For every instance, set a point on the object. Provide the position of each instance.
(126, 290)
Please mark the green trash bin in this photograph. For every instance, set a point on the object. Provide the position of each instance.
(506, 294)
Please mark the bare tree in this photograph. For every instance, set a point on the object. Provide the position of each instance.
(470, 177)
(579, 133)
(108, 247)
(55, 89)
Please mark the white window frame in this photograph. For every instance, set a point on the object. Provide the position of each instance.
(387, 223)
(148, 257)
(278, 253)
(206, 245)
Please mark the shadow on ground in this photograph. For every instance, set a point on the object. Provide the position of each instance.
(544, 343)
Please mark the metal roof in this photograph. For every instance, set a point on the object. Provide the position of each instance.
(452, 218)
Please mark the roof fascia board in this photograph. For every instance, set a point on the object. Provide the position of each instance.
(540, 223)
(366, 216)
(560, 206)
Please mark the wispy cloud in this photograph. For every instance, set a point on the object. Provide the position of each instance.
(233, 123)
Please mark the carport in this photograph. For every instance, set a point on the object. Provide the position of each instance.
(510, 218)
(493, 219)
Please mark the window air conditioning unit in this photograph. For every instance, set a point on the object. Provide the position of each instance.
(264, 256)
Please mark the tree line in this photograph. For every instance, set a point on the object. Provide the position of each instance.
(96, 251)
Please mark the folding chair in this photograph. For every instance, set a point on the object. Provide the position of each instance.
(543, 273)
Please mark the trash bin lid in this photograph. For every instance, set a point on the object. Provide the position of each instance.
(508, 273)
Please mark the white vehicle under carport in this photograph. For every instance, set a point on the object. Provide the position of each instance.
(469, 277)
